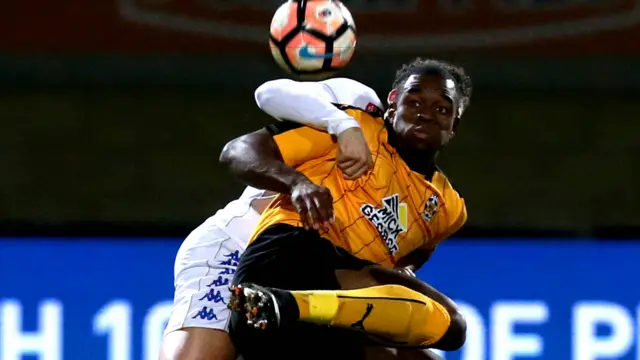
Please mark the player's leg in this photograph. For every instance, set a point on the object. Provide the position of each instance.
(197, 344)
(397, 314)
(380, 353)
(455, 334)
(281, 256)
(393, 314)
(204, 267)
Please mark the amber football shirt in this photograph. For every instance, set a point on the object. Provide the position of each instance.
(379, 217)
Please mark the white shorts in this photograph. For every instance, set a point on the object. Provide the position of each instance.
(204, 268)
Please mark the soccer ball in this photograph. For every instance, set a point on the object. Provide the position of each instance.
(312, 38)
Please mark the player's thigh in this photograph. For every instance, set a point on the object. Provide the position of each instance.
(204, 268)
(197, 344)
(289, 257)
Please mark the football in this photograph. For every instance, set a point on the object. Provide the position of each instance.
(312, 38)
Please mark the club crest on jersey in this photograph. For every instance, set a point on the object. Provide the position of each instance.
(390, 220)
(430, 208)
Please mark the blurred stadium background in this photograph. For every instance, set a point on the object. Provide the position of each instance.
(113, 113)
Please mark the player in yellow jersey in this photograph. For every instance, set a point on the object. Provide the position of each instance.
(329, 233)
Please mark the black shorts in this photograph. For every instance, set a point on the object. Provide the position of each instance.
(292, 258)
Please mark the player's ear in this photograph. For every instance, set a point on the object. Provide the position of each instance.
(454, 128)
(391, 101)
(392, 97)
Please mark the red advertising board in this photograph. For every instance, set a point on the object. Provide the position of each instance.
(546, 27)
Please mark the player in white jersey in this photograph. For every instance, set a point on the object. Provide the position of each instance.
(206, 259)
(205, 264)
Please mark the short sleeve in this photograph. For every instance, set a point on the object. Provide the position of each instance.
(456, 223)
(455, 214)
(299, 144)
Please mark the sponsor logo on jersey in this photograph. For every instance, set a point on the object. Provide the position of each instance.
(408, 24)
(430, 208)
(390, 220)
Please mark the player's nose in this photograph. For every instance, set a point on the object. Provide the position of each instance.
(426, 117)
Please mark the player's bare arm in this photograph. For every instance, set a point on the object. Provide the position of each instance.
(256, 160)
(354, 157)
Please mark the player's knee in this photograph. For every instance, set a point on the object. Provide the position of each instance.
(455, 335)
(197, 344)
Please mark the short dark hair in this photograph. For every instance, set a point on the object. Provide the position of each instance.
(419, 65)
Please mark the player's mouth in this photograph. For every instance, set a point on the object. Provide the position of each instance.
(420, 134)
(423, 131)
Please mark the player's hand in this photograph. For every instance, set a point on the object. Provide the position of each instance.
(354, 157)
(314, 204)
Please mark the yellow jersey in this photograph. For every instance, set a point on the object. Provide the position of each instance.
(380, 217)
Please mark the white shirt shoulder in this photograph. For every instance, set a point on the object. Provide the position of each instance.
(352, 93)
(314, 103)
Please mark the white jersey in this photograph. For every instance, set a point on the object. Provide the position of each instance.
(240, 216)
(207, 259)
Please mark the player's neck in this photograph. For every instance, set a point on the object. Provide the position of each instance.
(423, 162)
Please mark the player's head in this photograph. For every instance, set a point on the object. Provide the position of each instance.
(426, 103)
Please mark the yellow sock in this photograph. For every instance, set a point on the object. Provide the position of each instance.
(393, 312)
